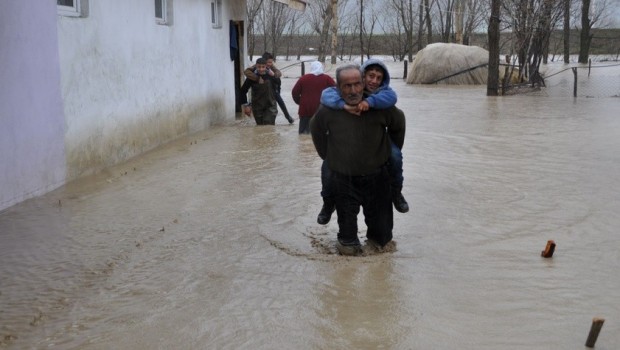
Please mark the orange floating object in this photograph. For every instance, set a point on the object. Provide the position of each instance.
(548, 252)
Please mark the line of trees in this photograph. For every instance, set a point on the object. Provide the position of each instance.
(345, 27)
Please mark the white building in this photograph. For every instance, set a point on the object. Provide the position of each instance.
(85, 84)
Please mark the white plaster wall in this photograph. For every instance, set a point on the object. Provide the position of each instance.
(32, 158)
(129, 84)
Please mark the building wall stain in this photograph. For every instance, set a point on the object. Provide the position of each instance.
(104, 148)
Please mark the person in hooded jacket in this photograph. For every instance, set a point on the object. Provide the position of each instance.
(307, 94)
(378, 95)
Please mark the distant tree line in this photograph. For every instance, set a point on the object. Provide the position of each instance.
(604, 41)
(341, 28)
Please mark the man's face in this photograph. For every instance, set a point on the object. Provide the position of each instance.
(351, 86)
(373, 77)
(261, 68)
(269, 62)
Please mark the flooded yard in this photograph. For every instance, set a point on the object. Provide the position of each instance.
(211, 241)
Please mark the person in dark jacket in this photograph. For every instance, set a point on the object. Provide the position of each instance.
(356, 150)
(307, 94)
(263, 105)
(250, 73)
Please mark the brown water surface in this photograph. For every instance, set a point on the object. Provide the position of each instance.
(211, 242)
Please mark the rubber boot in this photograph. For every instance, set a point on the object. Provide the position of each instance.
(399, 201)
(329, 205)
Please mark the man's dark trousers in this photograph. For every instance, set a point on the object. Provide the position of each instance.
(372, 193)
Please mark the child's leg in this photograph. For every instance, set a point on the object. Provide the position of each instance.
(327, 192)
(396, 166)
(395, 169)
(283, 107)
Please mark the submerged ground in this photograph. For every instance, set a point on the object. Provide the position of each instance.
(211, 242)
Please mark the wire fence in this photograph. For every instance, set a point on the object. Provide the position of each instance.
(597, 81)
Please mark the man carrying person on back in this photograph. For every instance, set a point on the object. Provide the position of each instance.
(263, 104)
(251, 73)
(356, 149)
(379, 95)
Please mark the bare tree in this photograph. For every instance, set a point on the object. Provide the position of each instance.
(420, 24)
(274, 19)
(585, 37)
(320, 19)
(427, 21)
(566, 30)
(368, 23)
(445, 19)
(592, 14)
(296, 22)
(475, 15)
(361, 30)
(404, 26)
(493, 32)
(459, 19)
(334, 29)
(349, 27)
(252, 10)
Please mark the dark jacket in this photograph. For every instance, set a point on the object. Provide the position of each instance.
(356, 145)
(263, 94)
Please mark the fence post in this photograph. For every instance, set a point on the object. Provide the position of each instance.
(589, 66)
(405, 74)
(575, 85)
(303, 68)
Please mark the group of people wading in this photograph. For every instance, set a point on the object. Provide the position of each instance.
(358, 132)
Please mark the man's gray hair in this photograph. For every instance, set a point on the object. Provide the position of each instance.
(347, 67)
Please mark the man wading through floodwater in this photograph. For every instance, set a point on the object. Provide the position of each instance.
(357, 149)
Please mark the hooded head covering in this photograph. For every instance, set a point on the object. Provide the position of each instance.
(316, 68)
(378, 62)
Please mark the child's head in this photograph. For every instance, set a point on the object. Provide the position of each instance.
(261, 66)
(373, 77)
(268, 59)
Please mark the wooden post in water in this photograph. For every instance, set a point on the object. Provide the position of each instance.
(575, 85)
(548, 252)
(597, 324)
(405, 74)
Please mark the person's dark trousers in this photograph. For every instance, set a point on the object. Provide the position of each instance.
(372, 193)
(326, 188)
(283, 107)
(304, 125)
(265, 116)
(395, 166)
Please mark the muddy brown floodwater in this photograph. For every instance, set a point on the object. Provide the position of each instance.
(211, 241)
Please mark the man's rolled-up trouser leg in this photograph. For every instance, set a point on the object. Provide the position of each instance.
(348, 199)
(377, 205)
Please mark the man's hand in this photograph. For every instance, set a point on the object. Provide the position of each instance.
(270, 72)
(363, 106)
(247, 110)
(352, 109)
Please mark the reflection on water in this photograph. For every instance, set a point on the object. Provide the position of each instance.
(211, 241)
